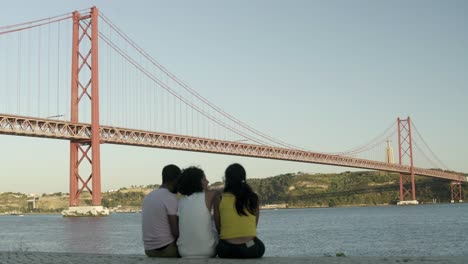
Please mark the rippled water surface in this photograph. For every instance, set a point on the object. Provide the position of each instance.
(426, 230)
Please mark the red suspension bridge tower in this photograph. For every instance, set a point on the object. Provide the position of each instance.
(85, 155)
(456, 191)
(405, 154)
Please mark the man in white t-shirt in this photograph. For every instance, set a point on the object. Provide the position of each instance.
(159, 216)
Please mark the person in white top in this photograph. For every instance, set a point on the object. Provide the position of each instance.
(159, 216)
(197, 235)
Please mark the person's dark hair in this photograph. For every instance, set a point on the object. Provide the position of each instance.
(236, 183)
(170, 174)
(190, 181)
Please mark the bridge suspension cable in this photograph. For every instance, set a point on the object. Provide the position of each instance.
(29, 25)
(389, 132)
(431, 163)
(437, 159)
(41, 20)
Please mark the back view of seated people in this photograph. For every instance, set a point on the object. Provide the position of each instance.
(159, 216)
(236, 215)
(198, 237)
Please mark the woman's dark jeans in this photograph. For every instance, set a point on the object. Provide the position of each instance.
(252, 249)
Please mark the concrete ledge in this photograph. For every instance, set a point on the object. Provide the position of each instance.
(77, 211)
(52, 258)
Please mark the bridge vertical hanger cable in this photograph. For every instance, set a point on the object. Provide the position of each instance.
(186, 120)
(48, 71)
(28, 75)
(164, 112)
(9, 78)
(39, 72)
(108, 82)
(143, 103)
(124, 94)
(113, 91)
(121, 104)
(2, 78)
(58, 69)
(127, 99)
(145, 108)
(154, 103)
(143, 96)
(148, 97)
(18, 75)
(136, 103)
(181, 118)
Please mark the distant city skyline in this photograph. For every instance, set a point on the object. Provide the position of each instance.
(322, 75)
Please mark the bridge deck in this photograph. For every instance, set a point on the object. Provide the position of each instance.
(79, 132)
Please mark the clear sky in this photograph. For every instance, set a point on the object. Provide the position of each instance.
(323, 75)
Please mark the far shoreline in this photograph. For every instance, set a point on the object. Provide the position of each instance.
(135, 211)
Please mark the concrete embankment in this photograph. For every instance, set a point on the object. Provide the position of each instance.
(53, 258)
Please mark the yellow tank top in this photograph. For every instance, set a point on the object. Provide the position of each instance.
(232, 224)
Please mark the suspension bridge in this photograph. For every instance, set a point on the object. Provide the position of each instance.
(67, 77)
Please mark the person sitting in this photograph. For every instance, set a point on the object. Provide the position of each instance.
(236, 214)
(198, 238)
(159, 216)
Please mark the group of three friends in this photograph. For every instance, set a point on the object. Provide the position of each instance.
(203, 223)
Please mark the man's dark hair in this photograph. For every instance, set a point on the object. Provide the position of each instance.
(190, 181)
(170, 174)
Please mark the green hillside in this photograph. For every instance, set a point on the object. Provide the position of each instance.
(347, 188)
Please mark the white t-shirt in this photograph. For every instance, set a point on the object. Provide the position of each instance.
(157, 205)
(197, 235)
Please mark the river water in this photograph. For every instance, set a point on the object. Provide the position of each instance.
(425, 230)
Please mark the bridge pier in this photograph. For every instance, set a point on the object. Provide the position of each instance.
(75, 211)
(408, 202)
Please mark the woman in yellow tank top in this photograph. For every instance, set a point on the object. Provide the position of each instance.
(236, 214)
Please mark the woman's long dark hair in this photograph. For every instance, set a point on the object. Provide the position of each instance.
(236, 184)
